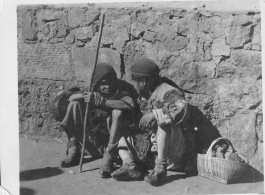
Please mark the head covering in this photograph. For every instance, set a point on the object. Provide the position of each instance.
(101, 70)
(144, 67)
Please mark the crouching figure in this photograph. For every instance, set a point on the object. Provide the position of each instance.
(109, 120)
(165, 116)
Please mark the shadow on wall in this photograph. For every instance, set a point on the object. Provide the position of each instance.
(26, 191)
(209, 133)
(206, 131)
(39, 173)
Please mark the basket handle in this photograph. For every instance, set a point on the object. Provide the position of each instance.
(208, 155)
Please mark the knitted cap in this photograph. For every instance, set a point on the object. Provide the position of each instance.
(144, 67)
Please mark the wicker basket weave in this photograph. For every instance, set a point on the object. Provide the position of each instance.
(218, 169)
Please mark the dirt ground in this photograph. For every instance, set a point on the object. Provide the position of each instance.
(40, 174)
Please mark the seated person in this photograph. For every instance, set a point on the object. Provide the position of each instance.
(165, 115)
(112, 107)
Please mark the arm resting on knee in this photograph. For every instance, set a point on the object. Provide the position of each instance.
(126, 103)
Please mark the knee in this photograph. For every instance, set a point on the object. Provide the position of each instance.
(122, 142)
(73, 103)
(74, 106)
(116, 114)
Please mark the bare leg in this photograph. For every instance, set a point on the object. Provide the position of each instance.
(106, 167)
(128, 171)
(124, 154)
(163, 140)
(116, 124)
(123, 151)
(72, 124)
(160, 171)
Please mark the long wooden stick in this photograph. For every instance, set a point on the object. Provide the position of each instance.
(90, 90)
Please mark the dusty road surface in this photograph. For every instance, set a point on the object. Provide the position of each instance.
(40, 174)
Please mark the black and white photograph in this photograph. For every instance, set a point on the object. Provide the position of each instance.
(158, 97)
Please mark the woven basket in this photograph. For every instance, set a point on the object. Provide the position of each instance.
(218, 169)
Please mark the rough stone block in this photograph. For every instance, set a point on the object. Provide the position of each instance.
(149, 36)
(49, 15)
(70, 39)
(242, 20)
(256, 40)
(192, 46)
(148, 18)
(84, 60)
(158, 53)
(247, 61)
(44, 61)
(239, 36)
(225, 69)
(177, 43)
(250, 101)
(181, 26)
(185, 74)
(217, 59)
(243, 135)
(247, 46)
(54, 30)
(81, 16)
(256, 46)
(21, 11)
(79, 43)
(220, 48)
(83, 33)
(121, 40)
(244, 58)
(206, 13)
(200, 46)
(241, 31)
(137, 28)
(222, 26)
(164, 32)
(111, 35)
(30, 26)
(45, 24)
(206, 69)
(236, 88)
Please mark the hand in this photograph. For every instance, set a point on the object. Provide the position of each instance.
(147, 121)
(94, 98)
(88, 97)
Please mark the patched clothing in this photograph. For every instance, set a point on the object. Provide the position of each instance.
(170, 108)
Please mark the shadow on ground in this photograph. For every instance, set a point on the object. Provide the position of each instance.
(88, 159)
(251, 176)
(39, 173)
(26, 191)
(172, 178)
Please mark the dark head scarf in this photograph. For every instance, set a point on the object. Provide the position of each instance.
(101, 70)
(144, 67)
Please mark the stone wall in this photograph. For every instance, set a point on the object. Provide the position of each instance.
(215, 55)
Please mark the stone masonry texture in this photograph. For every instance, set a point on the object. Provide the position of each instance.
(215, 55)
